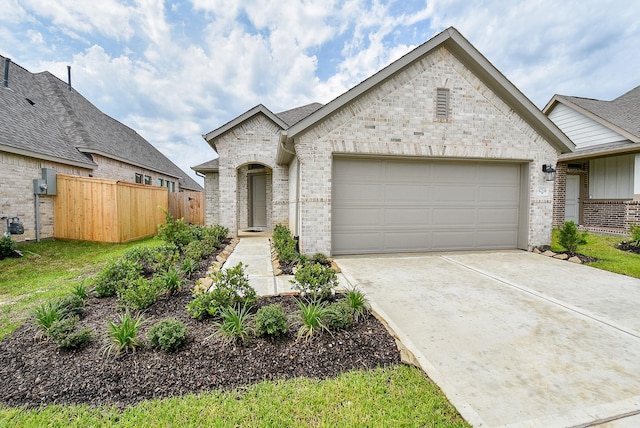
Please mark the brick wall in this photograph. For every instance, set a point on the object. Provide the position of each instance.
(559, 194)
(211, 198)
(398, 118)
(604, 213)
(16, 193)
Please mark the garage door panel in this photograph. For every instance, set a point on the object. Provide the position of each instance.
(407, 217)
(358, 192)
(348, 218)
(424, 205)
(406, 241)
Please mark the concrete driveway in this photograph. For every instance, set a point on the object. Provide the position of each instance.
(514, 338)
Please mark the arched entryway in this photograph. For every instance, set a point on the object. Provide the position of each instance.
(254, 197)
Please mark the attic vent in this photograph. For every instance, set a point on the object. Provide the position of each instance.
(442, 103)
(29, 101)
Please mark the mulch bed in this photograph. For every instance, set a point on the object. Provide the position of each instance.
(34, 372)
(629, 247)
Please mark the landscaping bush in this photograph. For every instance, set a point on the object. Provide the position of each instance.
(123, 335)
(202, 305)
(178, 232)
(66, 334)
(46, 314)
(167, 334)
(634, 231)
(153, 259)
(321, 259)
(195, 250)
(118, 274)
(571, 238)
(189, 267)
(216, 233)
(285, 244)
(235, 324)
(7, 247)
(311, 319)
(140, 294)
(271, 321)
(315, 281)
(170, 280)
(339, 315)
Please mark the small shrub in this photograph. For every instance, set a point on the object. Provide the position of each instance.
(167, 334)
(202, 305)
(46, 314)
(634, 231)
(216, 233)
(311, 316)
(66, 334)
(231, 287)
(235, 324)
(339, 315)
(141, 294)
(321, 259)
(271, 321)
(170, 280)
(315, 281)
(123, 335)
(195, 250)
(153, 259)
(7, 247)
(285, 244)
(358, 302)
(81, 291)
(175, 232)
(70, 305)
(118, 274)
(570, 237)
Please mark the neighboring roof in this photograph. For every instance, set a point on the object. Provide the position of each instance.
(61, 123)
(209, 166)
(621, 115)
(455, 43)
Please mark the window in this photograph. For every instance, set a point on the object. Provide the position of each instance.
(442, 103)
(147, 179)
(160, 182)
(172, 188)
(138, 178)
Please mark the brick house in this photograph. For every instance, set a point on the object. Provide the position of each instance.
(45, 123)
(437, 151)
(598, 185)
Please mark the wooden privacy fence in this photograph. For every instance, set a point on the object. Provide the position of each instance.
(187, 205)
(96, 209)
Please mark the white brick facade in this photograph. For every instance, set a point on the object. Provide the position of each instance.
(253, 142)
(398, 118)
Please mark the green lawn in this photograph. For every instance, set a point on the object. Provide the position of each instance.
(400, 396)
(609, 258)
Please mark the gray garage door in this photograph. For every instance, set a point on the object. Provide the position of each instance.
(386, 206)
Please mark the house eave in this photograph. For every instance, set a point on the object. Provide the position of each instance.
(599, 154)
(22, 152)
(127, 161)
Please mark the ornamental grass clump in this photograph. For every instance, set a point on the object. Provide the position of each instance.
(311, 317)
(234, 325)
(46, 314)
(358, 302)
(123, 336)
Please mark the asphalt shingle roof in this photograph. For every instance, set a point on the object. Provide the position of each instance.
(623, 112)
(295, 115)
(61, 123)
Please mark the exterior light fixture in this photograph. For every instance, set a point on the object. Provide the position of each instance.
(549, 172)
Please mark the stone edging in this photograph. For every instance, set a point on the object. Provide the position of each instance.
(206, 281)
(559, 256)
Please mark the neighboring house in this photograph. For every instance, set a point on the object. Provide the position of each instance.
(45, 123)
(598, 185)
(438, 151)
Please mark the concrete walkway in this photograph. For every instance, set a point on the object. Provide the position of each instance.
(514, 339)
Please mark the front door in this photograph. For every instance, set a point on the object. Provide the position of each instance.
(258, 198)
(572, 199)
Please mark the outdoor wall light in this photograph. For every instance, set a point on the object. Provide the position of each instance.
(549, 172)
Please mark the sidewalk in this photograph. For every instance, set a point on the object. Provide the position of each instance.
(255, 253)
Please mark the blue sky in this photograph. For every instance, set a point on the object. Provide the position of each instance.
(174, 70)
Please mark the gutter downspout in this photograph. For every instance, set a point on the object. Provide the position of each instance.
(37, 217)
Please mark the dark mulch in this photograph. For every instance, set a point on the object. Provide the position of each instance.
(630, 247)
(34, 373)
